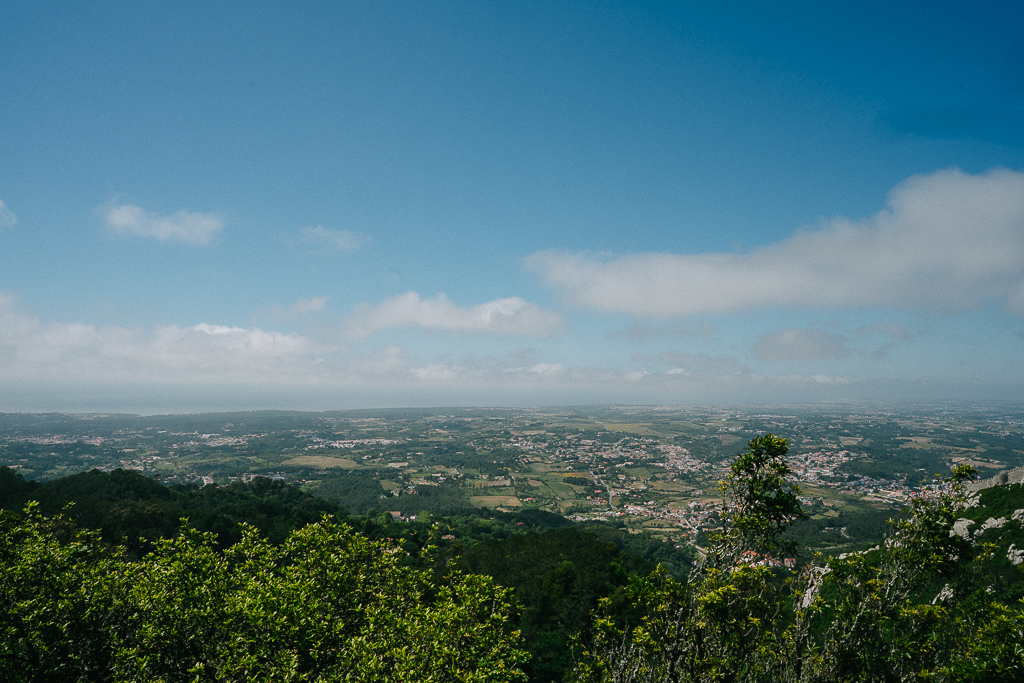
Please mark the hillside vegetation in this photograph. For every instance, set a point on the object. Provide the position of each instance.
(265, 582)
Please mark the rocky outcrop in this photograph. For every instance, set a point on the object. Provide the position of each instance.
(991, 523)
(960, 527)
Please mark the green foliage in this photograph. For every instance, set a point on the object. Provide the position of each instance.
(885, 458)
(909, 610)
(57, 612)
(728, 619)
(716, 626)
(995, 650)
(558, 577)
(760, 503)
(356, 492)
(1001, 501)
(183, 591)
(13, 486)
(846, 532)
(326, 605)
(677, 561)
(919, 607)
(131, 509)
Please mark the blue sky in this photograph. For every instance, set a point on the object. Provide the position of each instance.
(268, 205)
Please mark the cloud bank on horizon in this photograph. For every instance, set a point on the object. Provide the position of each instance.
(946, 241)
(118, 363)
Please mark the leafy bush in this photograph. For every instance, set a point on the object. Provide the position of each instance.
(328, 604)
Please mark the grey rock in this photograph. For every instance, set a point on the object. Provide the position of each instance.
(993, 523)
(960, 527)
(945, 594)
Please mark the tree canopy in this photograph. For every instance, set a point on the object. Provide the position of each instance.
(326, 605)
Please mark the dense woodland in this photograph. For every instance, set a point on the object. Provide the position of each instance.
(559, 571)
(118, 577)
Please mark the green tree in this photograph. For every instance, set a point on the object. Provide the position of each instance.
(923, 606)
(57, 612)
(728, 618)
(759, 503)
(327, 605)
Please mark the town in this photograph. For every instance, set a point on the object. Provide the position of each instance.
(652, 469)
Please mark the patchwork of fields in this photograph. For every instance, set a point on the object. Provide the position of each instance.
(653, 468)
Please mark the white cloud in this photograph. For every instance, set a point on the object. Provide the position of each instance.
(190, 227)
(946, 241)
(83, 358)
(204, 354)
(326, 238)
(802, 344)
(546, 369)
(7, 217)
(509, 316)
